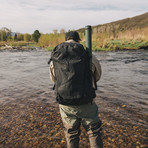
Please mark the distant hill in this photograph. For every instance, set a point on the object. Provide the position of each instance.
(129, 33)
(137, 22)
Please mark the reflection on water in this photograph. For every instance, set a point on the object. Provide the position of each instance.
(124, 81)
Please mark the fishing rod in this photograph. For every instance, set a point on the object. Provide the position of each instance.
(88, 35)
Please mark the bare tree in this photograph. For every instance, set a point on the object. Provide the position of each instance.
(62, 31)
(55, 31)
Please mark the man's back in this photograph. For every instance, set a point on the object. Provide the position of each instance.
(73, 83)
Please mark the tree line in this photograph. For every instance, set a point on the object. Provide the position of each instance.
(105, 36)
(7, 35)
(55, 38)
(43, 40)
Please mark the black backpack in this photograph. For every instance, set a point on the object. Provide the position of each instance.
(73, 79)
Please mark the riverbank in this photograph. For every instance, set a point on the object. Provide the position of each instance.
(115, 45)
(109, 45)
(27, 122)
(18, 45)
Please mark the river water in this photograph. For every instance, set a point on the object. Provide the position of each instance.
(122, 91)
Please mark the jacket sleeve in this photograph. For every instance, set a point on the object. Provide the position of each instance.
(96, 68)
(51, 71)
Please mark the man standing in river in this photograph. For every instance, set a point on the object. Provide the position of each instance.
(69, 70)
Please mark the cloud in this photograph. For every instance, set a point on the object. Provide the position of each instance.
(46, 15)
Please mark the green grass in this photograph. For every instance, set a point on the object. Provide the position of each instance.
(110, 45)
(120, 45)
(49, 48)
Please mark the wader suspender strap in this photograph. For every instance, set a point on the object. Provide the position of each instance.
(95, 82)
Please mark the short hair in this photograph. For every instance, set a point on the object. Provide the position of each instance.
(72, 35)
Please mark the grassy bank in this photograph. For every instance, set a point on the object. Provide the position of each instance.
(10, 45)
(105, 45)
(49, 48)
(15, 43)
(111, 45)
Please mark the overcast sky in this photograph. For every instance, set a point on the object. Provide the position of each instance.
(25, 16)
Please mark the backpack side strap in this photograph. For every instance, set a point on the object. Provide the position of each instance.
(49, 61)
(95, 82)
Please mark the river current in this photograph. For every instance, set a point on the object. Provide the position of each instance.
(124, 81)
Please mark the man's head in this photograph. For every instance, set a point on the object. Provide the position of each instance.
(72, 35)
